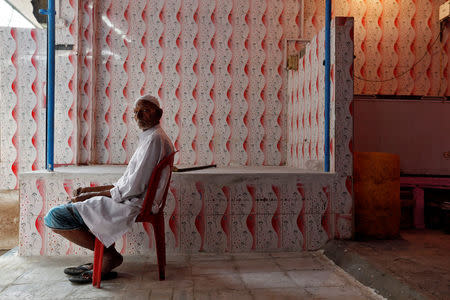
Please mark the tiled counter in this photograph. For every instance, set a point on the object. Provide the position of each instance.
(214, 210)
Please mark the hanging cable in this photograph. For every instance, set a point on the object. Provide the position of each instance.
(405, 72)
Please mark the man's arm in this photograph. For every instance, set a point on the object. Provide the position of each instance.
(88, 195)
(91, 189)
(134, 184)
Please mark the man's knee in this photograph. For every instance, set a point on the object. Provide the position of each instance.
(57, 218)
(50, 217)
(64, 218)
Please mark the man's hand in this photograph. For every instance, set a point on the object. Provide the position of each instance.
(86, 195)
(80, 198)
(77, 192)
(91, 189)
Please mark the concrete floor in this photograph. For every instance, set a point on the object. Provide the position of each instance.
(415, 266)
(307, 275)
(419, 260)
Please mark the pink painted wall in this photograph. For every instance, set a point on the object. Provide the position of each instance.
(415, 130)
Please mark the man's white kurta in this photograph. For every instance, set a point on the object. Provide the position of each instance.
(109, 218)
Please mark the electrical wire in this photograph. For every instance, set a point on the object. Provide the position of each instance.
(403, 73)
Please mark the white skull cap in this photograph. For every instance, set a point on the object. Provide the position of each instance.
(148, 98)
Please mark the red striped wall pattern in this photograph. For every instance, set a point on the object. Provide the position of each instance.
(209, 213)
(217, 67)
(22, 99)
(306, 116)
(241, 211)
(22, 103)
(391, 36)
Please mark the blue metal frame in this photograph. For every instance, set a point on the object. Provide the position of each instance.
(50, 12)
(327, 85)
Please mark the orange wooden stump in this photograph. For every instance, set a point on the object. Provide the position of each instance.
(377, 195)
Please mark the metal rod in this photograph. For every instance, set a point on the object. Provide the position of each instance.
(50, 12)
(175, 169)
(327, 85)
(92, 158)
(51, 85)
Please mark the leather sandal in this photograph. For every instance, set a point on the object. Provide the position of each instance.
(86, 277)
(73, 271)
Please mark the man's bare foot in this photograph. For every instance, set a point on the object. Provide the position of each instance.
(111, 260)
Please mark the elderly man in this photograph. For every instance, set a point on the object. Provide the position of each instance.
(107, 212)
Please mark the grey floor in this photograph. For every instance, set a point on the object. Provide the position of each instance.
(305, 275)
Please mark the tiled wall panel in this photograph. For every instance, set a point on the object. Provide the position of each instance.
(306, 116)
(22, 103)
(397, 46)
(209, 212)
(23, 97)
(216, 66)
(342, 148)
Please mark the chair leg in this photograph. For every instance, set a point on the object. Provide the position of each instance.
(98, 261)
(160, 239)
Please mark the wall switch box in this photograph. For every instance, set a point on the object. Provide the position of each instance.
(444, 11)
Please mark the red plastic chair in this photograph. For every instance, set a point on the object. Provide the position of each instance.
(146, 215)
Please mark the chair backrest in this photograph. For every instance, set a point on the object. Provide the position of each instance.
(153, 183)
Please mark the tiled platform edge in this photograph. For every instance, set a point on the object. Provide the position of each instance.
(226, 210)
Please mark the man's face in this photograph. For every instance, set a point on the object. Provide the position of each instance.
(145, 115)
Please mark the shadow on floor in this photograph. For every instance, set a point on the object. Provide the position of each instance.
(415, 266)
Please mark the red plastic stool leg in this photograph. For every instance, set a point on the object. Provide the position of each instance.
(158, 227)
(98, 260)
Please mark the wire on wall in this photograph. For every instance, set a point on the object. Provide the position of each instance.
(404, 72)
